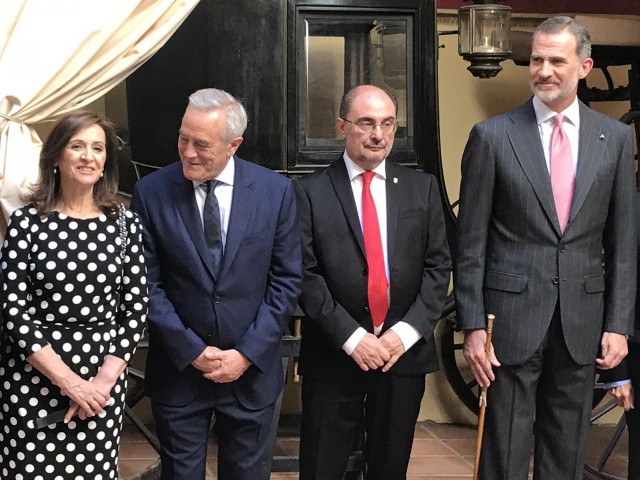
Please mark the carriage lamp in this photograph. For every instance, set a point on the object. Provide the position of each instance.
(483, 36)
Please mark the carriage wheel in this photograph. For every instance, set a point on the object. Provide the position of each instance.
(598, 453)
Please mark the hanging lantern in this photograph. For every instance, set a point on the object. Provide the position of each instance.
(483, 36)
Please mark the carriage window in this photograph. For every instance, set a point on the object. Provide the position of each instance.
(330, 50)
(340, 53)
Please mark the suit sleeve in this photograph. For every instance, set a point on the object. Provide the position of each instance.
(181, 343)
(261, 341)
(620, 246)
(427, 308)
(331, 318)
(472, 229)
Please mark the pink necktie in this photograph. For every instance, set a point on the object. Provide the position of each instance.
(562, 171)
(377, 279)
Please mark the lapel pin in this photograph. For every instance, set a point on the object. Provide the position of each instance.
(395, 179)
(601, 137)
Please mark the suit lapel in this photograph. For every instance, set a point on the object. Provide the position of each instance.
(342, 186)
(188, 210)
(590, 153)
(242, 205)
(524, 136)
(393, 207)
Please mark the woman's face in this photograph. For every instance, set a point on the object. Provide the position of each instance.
(82, 160)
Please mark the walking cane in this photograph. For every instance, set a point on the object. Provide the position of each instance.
(483, 400)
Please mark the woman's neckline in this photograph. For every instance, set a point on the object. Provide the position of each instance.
(65, 215)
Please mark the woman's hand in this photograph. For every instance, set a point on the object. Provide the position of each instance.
(102, 383)
(87, 398)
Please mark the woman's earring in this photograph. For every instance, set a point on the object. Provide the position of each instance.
(101, 174)
(55, 170)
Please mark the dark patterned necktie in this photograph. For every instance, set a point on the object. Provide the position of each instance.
(212, 228)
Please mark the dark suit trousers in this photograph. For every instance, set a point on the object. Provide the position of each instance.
(332, 419)
(548, 398)
(183, 432)
(633, 416)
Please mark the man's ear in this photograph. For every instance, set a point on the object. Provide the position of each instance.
(340, 124)
(233, 146)
(585, 67)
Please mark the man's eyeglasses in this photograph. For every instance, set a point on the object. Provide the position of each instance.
(365, 126)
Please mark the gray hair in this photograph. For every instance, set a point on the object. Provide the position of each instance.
(211, 99)
(559, 24)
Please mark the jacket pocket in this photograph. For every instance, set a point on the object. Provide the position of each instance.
(414, 212)
(594, 284)
(505, 282)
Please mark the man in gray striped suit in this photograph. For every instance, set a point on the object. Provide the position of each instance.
(542, 200)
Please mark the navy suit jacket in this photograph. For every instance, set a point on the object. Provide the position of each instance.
(245, 308)
(515, 262)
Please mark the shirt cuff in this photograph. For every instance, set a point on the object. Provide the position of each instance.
(352, 342)
(407, 333)
(609, 385)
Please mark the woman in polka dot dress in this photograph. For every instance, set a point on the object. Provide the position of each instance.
(74, 309)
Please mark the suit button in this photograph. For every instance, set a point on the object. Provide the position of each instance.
(366, 309)
(562, 248)
(217, 299)
(556, 280)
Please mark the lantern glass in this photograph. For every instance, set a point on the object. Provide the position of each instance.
(464, 30)
(490, 25)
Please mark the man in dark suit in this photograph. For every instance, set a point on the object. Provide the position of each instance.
(624, 380)
(531, 238)
(224, 270)
(372, 293)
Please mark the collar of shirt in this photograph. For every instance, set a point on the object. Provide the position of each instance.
(545, 114)
(225, 176)
(353, 169)
(571, 127)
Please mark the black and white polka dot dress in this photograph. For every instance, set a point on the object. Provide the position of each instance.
(62, 277)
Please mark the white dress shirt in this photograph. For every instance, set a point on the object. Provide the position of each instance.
(224, 194)
(571, 127)
(408, 334)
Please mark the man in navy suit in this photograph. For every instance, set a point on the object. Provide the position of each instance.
(530, 250)
(217, 312)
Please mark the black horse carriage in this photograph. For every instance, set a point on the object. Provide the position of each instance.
(273, 68)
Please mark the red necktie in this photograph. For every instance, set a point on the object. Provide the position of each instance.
(377, 280)
(562, 171)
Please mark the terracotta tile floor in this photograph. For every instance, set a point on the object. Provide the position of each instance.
(440, 452)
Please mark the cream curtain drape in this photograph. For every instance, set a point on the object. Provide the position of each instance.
(59, 55)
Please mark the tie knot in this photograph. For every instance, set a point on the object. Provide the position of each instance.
(558, 119)
(367, 177)
(211, 185)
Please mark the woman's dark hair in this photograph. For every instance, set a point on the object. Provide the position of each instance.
(44, 194)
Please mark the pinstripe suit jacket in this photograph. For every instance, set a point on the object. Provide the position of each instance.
(513, 260)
